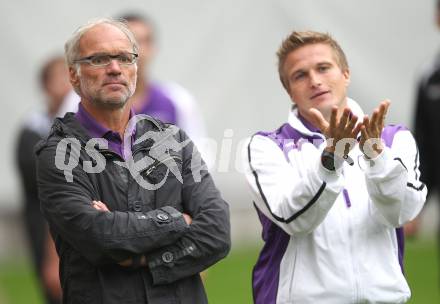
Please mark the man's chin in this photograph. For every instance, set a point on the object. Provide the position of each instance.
(111, 103)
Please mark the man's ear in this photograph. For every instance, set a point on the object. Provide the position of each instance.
(291, 99)
(346, 74)
(289, 92)
(73, 77)
(286, 86)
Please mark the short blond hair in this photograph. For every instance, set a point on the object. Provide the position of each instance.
(299, 39)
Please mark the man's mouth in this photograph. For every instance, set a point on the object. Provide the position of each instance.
(319, 94)
(121, 83)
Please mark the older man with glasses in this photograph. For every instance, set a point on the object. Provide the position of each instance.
(129, 227)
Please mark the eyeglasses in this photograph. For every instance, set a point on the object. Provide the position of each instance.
(105, 59)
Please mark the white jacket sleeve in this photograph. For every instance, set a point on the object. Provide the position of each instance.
(296, 194)
(393, 182)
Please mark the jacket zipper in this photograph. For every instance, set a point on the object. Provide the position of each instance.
(107, 151)
(156, 162)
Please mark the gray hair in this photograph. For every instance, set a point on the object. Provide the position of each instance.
(71, 48)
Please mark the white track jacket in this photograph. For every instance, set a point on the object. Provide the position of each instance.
(331, 236)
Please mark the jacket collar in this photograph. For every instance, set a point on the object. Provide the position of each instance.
(69, 126)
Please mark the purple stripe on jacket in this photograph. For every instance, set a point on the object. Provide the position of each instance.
(388, 137)
(266, 272)
(287, 138)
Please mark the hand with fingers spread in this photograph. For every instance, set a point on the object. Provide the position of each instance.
(341, 133)
(371, 144)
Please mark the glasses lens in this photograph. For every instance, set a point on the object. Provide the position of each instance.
(100, 60)
(126, 58)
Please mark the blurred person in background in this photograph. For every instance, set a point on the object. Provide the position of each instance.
(125, 237)
(427, 123)
(54, 81)
(331, 196)
(169, 102)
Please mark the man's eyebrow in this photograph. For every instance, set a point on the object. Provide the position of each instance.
(325, 63)
(298, 71)
(107, 53)
(95, 54)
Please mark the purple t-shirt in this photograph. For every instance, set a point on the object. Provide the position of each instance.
(96, 130)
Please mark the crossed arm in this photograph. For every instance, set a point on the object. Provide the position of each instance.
(100, 206)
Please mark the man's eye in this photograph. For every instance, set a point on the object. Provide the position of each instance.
(99, 60)
(124, 58)
(323, 68)
(298, 76)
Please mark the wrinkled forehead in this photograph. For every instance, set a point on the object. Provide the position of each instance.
(104, 38)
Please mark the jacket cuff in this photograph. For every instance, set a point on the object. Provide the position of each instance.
(377, 165)
(162, 262)
(333, 179)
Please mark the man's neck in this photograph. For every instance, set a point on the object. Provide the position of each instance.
(113, 119)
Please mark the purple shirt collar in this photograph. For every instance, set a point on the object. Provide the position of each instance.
(308, 125)
(96, 130)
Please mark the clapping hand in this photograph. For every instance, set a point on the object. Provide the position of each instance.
(371, 131)
(341, 133)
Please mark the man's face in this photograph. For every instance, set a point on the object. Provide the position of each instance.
(108, 86)
(145, 37)
(315, 79)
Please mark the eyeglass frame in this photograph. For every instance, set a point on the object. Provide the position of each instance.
(88, 59)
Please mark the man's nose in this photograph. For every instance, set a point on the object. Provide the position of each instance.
(114, 67)
(315, 79)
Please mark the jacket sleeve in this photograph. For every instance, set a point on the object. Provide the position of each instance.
(393, 182)
(208, 238)
(296, 194)
(101, 237)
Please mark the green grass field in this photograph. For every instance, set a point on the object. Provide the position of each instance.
(229, 281)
